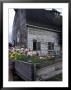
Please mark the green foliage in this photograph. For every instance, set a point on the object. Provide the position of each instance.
(33, 59)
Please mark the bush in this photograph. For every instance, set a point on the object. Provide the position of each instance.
(33, 59)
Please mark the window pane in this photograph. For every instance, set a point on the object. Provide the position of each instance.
(34, 44)
(49, 43)
(50, 46)
(38, 45)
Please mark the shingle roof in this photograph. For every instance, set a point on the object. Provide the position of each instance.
(44, 18)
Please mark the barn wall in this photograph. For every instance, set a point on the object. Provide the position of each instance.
(44, 37)
(19, 25)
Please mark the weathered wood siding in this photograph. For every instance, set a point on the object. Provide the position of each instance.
(20, 26)
(49, 71)
(25, 70)
(28, 34)
(44, 37)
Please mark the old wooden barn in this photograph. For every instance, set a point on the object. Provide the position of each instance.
(38, 29)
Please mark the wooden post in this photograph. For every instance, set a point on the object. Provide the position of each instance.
(33, 72)
(11, 70)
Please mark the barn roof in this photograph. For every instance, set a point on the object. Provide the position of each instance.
(44, 18)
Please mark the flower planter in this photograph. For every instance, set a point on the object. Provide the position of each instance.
(11, 70)
(29, 72)
(25, 70)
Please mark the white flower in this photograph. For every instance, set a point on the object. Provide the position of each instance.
(29, 53)
(34, 52)
(41, 57)
(26, 50)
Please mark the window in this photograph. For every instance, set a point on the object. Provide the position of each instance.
(50, 46)
(36, 45)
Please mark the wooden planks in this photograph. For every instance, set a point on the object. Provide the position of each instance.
(49, 71)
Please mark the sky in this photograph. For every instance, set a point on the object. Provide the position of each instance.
(11, 18)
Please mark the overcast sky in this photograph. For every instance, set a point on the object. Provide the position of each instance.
(11, 18)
